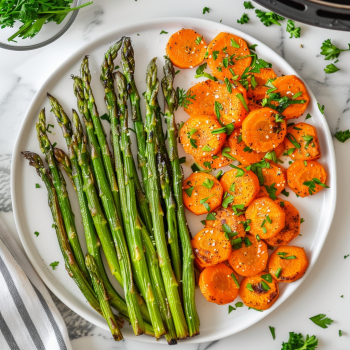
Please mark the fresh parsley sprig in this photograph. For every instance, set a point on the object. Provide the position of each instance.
(294, 32)
(244, 19)
(321, 320)
(330, 51)
(342, 136)
(184, 98)
(297, 342)
(268, 18)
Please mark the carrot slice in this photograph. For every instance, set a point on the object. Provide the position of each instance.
(257, 293)
(289, 86)
(224, 219)
(274, 180)
(226, 52)
(302, 141)
(217, 161)
(252, 105)
(197, 139)
(202, 193)
(261, 132)
(217, 284)
(211, 246)
(241, 186)
(288, 264)
(267, 217)
(214, 99)
(291, 229)
(201, 264)
(251, 258)
(306, 177)
(257, 92)
(186, 48)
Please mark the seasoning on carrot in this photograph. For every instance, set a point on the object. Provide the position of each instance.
(267, 217)
(241, 184)
(252, 105)
(211, 246)
(273, 178)
(251, 258)
(197, 139)
(294, 89)
(292, 228)
(214, 99)
(257, 89)
(306, 177)
(293, 262)
(224, 219)
(258, 293)
(186, 48)
(202, 193)
(228, 53)
(262, 131)
(218, 284)
(302, 142)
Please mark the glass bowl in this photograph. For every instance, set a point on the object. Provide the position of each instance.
(48, 34)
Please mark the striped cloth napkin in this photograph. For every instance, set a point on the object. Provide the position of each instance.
(29, 319)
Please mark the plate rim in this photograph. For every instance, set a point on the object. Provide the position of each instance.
(80, 52)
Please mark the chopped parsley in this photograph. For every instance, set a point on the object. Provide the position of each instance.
(163, 32)
(235, 279)
(267, 277)
(240, 172)
(284, 192)
(54, 264)
(271, 191)
(208, 183)
(278, 272)
(268, 18)
(230, 309)
(189, 191)
(321, 108)
(308, 116)
(244, 19)
(182, 160)
(198, 40)
(234, 44)
(206, 148)
(321, 320)
(293, 140)
(302, 220)
(205, 9)
(248, 5)
(184, 98)
(37, 186)
(227, 200)
(243, 101)
(312, 185)
(294, 32)
(331, 68)
(297, 342)
(330, 51)
(200, 73)
(342, 136)
(36, 233)
(272, 330)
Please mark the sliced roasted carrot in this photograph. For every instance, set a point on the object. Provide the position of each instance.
(252, 105)
(218, 161)
(292, 87)
(257, 292)
(306, 177)
(292, 227)
(274, 180)
(267, 217)
(224, 219)
(201, 264)
(251, 258)
(302, 142)
(241, 186)
(288, 264)
(226, 56)
(211, 246)
(197, 138)
(279, 150)
(216, 100)
(202, 193)
(261, 131)
(257, 90)
(186, 48)
(219, 284)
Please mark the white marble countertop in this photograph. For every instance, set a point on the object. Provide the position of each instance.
(22, 73)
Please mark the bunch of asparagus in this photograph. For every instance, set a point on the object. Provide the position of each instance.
(140, 224)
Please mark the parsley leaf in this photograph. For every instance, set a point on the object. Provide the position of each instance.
(330, 51)
(321, 108)
(312, 185)
(227, 200)
(342, 136)
(54, 264)
(36, 233)
(200, 73)
(205, 9)
(208, 183)
(331, 68)
(272, 330)
(198, 40)
(244, 19)
(297, 342)
(271, 191)
(234, 44)
(248, 5)
(163, 32)
(189, 191)
(105, 117)
(321, 320)
(230, 309)
(184, 98)
(294, 32)
(268, 18)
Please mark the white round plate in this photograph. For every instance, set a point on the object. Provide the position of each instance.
(30, 204)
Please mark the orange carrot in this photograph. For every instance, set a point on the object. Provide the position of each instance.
(267, 217)
(201, 264)
(211, 246)
(215, 162)
(225, 56)
(219, 284)
(288, 264)
(257, 90)
(214, 99)
(197, 138)
(262, 131)
(292, 87)
(302, 142)
(224, 219)
(257, 292)
(306, 177)
(252, 105)
(241, 186)
(186, 48)
(251, 258)
(292, 227)
(274, 180)
(202, 193)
